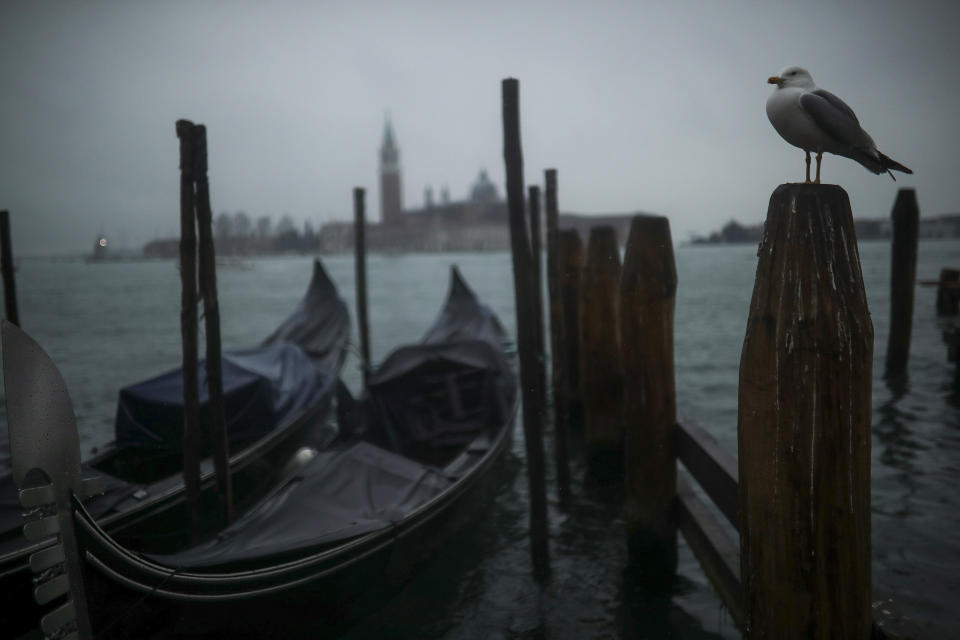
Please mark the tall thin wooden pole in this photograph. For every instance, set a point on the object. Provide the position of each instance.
(360, 261)
(570, 255)
(561, 453)
(6, 266)
(211, 314)
(903, 275)
(188, 329)
(601, 370)
(536, 250)
(526, 335)
(648, 287)
(804, 425)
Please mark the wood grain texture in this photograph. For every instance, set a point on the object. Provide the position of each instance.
(601, 370)
(804, 424)
(648, 288)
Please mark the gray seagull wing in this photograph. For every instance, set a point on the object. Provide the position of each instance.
(833, 116)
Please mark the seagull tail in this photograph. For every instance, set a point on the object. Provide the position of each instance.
(888, 164)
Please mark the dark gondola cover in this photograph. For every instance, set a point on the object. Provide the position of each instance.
(262, 388)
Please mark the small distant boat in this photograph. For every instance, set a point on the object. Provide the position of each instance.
(434, 419)
(277, 397)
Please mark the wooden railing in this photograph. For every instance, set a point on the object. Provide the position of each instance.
(716, 473)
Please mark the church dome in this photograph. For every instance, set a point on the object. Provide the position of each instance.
(483, 190)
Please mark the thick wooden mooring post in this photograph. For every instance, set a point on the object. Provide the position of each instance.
(211, 316)
(188, 329)
(523, 281)
(561, 450)
(601, 371)
(804, 425)
(648, 289)
(570, 256)
(6, 266)
(903, 275)
(360, 263)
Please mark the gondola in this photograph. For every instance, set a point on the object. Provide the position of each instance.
(277, 398)
(433, 420)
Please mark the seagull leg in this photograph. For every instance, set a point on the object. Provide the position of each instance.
(807, 181)
(819, 158)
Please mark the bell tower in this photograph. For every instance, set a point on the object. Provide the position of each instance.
(391, 201)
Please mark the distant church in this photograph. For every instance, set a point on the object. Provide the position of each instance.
(478, 223)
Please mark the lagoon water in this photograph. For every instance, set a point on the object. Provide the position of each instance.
(109, 324)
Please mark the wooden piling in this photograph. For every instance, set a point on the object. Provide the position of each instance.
(561, 453)
(903, 275)
(6, 267)
(601, 371)
(188, 330)
(211, 315)
(948, 299)
(804, 425)
(360, 265)
(526, 335)
(536, 250)
(648, 288)
(570, 255)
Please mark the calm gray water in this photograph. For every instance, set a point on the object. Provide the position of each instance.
(109, 324)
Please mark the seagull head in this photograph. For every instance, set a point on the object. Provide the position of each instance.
(792, 77)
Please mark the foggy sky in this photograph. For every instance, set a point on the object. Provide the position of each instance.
(654, 108)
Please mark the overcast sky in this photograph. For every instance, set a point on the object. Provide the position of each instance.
(654, 106)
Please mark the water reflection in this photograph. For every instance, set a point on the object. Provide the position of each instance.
(892, 429)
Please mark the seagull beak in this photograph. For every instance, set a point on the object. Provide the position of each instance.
(777, 80)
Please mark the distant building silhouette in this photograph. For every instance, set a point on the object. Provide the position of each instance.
(477, 223)
(391, 193)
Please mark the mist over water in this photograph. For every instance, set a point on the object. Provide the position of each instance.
(107, 325)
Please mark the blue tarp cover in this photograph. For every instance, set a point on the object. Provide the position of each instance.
(262, 388)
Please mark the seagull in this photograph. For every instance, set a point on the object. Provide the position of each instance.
(818, 121)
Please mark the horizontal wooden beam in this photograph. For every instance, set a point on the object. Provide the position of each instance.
(719, 556)
(710, 465)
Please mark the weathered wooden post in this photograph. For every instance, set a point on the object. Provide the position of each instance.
(570, 257)
(948, 300)
(601, 371)
(903, 274)
(188, 329)
(360, 262)
(536, 250)
(6, 266)
(211, 315)
(648, 287)
(561, 454)
(804, 425)
(526, 334)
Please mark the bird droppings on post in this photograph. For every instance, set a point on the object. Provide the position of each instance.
(804, 424)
